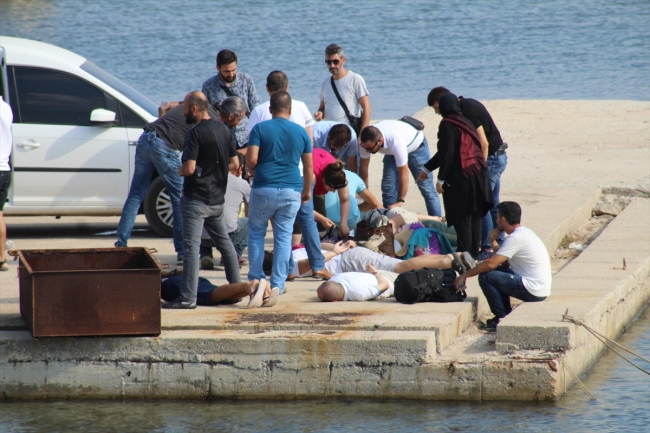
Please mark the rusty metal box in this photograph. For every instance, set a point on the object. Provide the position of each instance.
(90, 292)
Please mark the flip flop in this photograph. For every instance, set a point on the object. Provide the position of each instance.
(258, 298)
(273, 299)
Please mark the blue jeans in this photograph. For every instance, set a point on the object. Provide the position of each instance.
(499, 285)
(416, 161)
(196, 216)
(310, 236)
(496, 165)
(153, 154)
(280, 205)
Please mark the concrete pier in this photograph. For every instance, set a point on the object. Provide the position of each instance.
(303, 348)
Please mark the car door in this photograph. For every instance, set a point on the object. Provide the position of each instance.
(59, 158)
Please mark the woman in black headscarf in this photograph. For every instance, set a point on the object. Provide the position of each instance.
(462, 176)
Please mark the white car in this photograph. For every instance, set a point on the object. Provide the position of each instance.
(75, 130)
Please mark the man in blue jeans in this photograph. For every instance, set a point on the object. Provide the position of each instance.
(520, 268)
(159, 149)
(494, 150)
(405, 149)
(209, 149)
(275, 148)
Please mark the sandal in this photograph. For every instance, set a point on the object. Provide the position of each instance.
(258, 297)
(272, 299)
(4, 266)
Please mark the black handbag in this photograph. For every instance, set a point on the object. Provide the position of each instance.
(413, 122)
(355, 122)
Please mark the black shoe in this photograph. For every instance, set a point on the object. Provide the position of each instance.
(179, 305)
(207, 263)
(490, 325)
(456, 265)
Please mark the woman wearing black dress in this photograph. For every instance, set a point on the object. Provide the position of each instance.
(462, 176)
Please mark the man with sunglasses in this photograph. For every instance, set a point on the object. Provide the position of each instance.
(351, 88)
(405, 149)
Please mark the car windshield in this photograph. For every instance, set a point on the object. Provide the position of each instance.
(121, 87)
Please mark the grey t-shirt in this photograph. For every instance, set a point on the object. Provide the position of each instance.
(238, 190)
(172, 127)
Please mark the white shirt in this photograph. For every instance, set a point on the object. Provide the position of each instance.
(6, 118)
(351, 87)
(358, 286)
(400, 139)
(333, 266)
(300, 115)
(528, 258)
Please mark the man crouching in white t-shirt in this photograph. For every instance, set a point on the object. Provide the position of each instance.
(520, 268)
(357, 286)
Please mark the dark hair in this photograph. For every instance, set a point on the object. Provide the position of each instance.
(277, 80)
(338, 136)
(435, 94)
(370, 133)
(511, 211)
(198, 99)
(226, 57)
(448, 105)
(240, 162)
(281, 102)
(267, 264)
(334, 175)
(333, 50)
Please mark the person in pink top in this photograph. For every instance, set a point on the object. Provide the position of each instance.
(329, 175)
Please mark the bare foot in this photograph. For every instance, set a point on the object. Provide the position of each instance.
(322, 273)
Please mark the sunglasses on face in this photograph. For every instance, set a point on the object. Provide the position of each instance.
(372, 149)
(332, 62)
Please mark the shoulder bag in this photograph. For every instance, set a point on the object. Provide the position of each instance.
(355, 122)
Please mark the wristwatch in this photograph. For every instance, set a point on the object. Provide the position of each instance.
(400, 200)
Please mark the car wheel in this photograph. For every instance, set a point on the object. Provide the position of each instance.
(158, 208)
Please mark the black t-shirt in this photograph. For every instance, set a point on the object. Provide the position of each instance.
(172, 127)
(479, 116)
(210, 144)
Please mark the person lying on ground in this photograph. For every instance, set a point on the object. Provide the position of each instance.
(356, 286)
(210, 294)
(344, 257)
(520, 268)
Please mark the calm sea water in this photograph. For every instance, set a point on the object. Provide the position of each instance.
(623, 405)
(487, 49)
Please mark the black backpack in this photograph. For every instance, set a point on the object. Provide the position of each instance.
(427, 285)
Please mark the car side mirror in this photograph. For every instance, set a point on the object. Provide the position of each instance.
(101, 117)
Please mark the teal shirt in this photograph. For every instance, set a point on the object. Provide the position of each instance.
(281, 144)
(333, 207)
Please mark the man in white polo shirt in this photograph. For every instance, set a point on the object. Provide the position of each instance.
(405, 149)
(520, 268)
(277, 81)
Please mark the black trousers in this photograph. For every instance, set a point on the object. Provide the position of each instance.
(469, 233)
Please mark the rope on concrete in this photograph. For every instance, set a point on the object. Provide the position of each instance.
(607, 341)
(584, 388)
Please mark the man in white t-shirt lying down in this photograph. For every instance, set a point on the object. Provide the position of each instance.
(347, 257)
(520, 268)
(358, 286)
